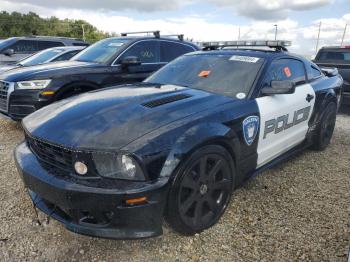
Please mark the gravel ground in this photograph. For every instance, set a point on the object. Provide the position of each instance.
(297, 211)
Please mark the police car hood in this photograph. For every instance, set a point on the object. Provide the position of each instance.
(114, 117)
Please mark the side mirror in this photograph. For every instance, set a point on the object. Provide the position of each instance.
(9, 52)
(279, 88)
(130, 61)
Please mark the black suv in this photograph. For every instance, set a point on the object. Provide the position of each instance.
(112, 61)
(15, 49)
(338, 57)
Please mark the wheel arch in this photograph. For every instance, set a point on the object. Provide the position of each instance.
(197, 137)
(88, 86)
(325, 97)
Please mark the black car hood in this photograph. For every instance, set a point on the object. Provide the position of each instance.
(114, 117)
(43, 71)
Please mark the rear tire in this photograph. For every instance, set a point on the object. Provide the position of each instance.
(325, 129)
(201, 190)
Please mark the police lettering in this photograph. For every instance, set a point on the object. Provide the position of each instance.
(283, 122)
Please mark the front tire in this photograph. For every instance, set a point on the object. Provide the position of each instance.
(201, 190)
(326, 127)
(72, 91)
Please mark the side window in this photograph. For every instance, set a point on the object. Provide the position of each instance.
(48, 44)
(286, 69)
(66, 56)
(313, 72)
(25, 47)
(171, 50)
(80, 44)
(147, 51)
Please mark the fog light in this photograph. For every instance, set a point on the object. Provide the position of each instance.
(80, 168)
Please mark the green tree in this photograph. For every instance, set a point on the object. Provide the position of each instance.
(17, 24)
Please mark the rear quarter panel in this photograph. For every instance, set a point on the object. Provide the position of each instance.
(327, 89)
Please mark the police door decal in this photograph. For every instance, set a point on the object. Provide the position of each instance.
(283, 122)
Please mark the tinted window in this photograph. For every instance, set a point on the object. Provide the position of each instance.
(48, 44)
(102, 51)
(286, 69)
(147, 51)
(80, 44)
(41, 57)
(171, 50)
(225, 74)
(25, 46)
(334, 55)
(313, 71)
(66, 56)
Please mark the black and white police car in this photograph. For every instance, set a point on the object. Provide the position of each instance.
(112, 163)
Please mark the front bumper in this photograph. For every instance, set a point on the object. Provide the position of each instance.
(24, 102)
(94, 211)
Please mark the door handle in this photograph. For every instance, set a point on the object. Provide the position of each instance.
(309, 97)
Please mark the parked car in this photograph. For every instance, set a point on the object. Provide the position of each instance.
(111, 61)
(15, 49)
(53, 54)
(112, 163)
(338, 57)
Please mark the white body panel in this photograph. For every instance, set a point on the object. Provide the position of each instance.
(277, 142)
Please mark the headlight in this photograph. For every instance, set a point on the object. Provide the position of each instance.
(34, 84)
(115, 166)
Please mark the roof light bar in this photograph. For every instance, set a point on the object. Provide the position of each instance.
(278, 44)
(155, 33)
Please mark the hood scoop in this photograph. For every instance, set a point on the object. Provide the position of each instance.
(165, 100)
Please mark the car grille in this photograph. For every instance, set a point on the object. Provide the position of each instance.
(4, 87)
(52, 155)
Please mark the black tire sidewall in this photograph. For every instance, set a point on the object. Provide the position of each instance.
(172, 214)
(320, 143)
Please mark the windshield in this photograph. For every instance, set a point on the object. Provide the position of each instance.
(102, 51)
(229, 75)
(41, 57)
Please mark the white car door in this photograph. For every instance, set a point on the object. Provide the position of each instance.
(284, 118)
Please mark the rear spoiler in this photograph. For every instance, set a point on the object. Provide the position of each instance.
(330, 71)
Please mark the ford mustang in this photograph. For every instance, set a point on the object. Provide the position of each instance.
(114, 162)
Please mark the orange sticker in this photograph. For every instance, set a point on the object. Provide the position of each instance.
(204, 74)
(287, 72)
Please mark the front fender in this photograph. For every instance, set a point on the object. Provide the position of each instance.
(195, 137)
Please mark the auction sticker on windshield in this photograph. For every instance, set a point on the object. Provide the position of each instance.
(248, 59)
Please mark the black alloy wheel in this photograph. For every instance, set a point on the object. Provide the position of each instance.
(326, 127)
(201, 191)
